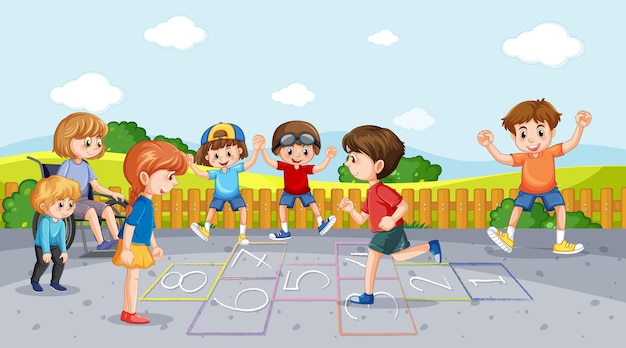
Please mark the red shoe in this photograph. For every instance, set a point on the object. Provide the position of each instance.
(133, 318)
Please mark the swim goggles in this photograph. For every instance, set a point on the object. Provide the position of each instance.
(290, 139)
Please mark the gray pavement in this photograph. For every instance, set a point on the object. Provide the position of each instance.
(293, 293)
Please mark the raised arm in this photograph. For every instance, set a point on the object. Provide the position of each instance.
(331, 152)
(583, 119)
(201, 173)
(485, 138)
(257, 142)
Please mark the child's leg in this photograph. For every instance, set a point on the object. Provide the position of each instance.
(58, 265)
(94, 223)
(371, 267)
(109, 217)
(209, 218)
(282, 214)
(130, 290)
(411, 252)
(513, 220)
(560, 214)
(323, 226)
(40, 266)
(243, 218)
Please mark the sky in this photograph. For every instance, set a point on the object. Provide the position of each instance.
(435, 72)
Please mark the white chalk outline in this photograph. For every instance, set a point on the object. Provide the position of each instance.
(180, 281)
(297, 287)
(355, 262)
(476, 281)
(431, 282)
(358, 254)
(261, 261)
(370, 306)
(237, 309)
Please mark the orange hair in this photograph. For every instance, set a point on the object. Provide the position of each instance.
(149, 156)
(49, 190)
(75, 126)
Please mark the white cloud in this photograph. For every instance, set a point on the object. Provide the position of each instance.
(295, 94)
(384, 37)
(417, 119)
(547, 43)
(179, 32)
(91, 91)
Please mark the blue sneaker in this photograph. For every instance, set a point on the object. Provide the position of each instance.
(107, 244)
(326, 225)
(435, 249)
(36, 286)
(280, 235)
(363, 299)
(58, 287)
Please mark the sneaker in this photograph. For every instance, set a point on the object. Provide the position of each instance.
(280, 235)
(567, 248)
(363, 299)
(242, 239)
(435, 249)
(501, 239)
(107, 244)
(36, 286)
(133, 318)
(326, 225)
(58, 287)
(200, 231)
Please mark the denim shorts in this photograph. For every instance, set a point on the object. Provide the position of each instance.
(550, 199)
(389, 242)
(289, 199)
(235, 203)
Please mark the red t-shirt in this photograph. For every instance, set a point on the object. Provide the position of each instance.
(380, 201)
(296, 180)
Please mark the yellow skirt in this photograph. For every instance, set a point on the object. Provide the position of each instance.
(143, 257)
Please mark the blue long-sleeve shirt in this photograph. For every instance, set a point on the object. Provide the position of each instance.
(50, 233)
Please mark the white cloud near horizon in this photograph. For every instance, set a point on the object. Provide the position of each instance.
(548, 43)
(383, 38)
(295, 94)
(179, 32)
(91, 91)
(416, 119)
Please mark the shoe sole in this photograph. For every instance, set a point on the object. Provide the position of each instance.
(198, 232)
(272, 237)
(568, 252)
(244, 242)
(493, 234)
(329, 225)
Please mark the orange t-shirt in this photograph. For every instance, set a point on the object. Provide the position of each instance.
(538, 173)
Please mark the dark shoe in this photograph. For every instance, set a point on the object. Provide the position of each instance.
(435, 249)
(133, 318)
(326, 225)
(107, 244)
(363, 299)
(280, 235)
(36, 286)
(58, 287)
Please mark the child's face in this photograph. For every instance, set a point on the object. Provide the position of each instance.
(161, 182)
(60, 209)
(361, 166)
(296, 154)
(224, 157)
(533, 137)
(88, 147)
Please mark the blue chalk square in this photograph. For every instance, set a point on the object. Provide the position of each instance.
(489, 281)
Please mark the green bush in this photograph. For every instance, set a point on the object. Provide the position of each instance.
(18, 213)
(411, 169)
(529, 219)
(123, 135)
(178, 142)
(573, 220)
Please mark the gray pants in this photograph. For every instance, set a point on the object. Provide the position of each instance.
(40, 266)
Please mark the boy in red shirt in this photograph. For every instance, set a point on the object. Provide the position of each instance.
(532, 125)
(374, 153)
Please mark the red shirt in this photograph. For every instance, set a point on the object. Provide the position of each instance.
(296, 180)
(380, 201)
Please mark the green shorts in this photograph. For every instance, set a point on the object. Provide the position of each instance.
(389, 242)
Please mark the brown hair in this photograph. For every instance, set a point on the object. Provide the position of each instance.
(297, 128)
(78, 125)
(149, 156)
(537, 110)
(378, 144)
(200, 157)
(55, 187)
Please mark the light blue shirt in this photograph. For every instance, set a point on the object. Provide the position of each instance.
(82, 173)
(226, 184)
(49, 234)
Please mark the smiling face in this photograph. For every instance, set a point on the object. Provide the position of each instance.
(362, 167)
(160, 182)
(86, 148)
(224, 157)
(59, 209)
(532, 136)
(296, 154)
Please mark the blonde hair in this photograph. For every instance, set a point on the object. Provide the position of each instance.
(53, 188)
(75, 126)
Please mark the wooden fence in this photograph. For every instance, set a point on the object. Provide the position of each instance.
(432, 208)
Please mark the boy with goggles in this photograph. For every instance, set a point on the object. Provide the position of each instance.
(296, 142)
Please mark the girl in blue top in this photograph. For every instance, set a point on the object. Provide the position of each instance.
(150, 167)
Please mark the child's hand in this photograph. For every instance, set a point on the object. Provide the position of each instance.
(485, 138)
(64, 257)
(189, 159)
(47, 257)
(258, 142)
(120, 197)
(346, 205)
(386, 223)
(331, 152)
(157, 253)
(583, 118)
(127, 257)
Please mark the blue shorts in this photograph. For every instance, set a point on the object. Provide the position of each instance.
(235, 203)
(550, 199)
(289, 199)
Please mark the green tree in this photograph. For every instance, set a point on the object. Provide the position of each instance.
(18, 213)
(178, 142)
(123, 135)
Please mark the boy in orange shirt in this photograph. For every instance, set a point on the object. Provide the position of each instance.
(533, 126)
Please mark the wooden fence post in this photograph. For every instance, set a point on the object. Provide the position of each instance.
(586, 202)
(176, 208)
(425, 208)
(157, 204)
(461, 208)
(497, 195)
(480, 211)
(265, 208)
(228, 216)
(247, 196)
(208, 197)
(568, 197)
(409, 197)
(300, 215)
(320, 200)
(193, 207)
(336, 195)
(606, 208)
(443, 208)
